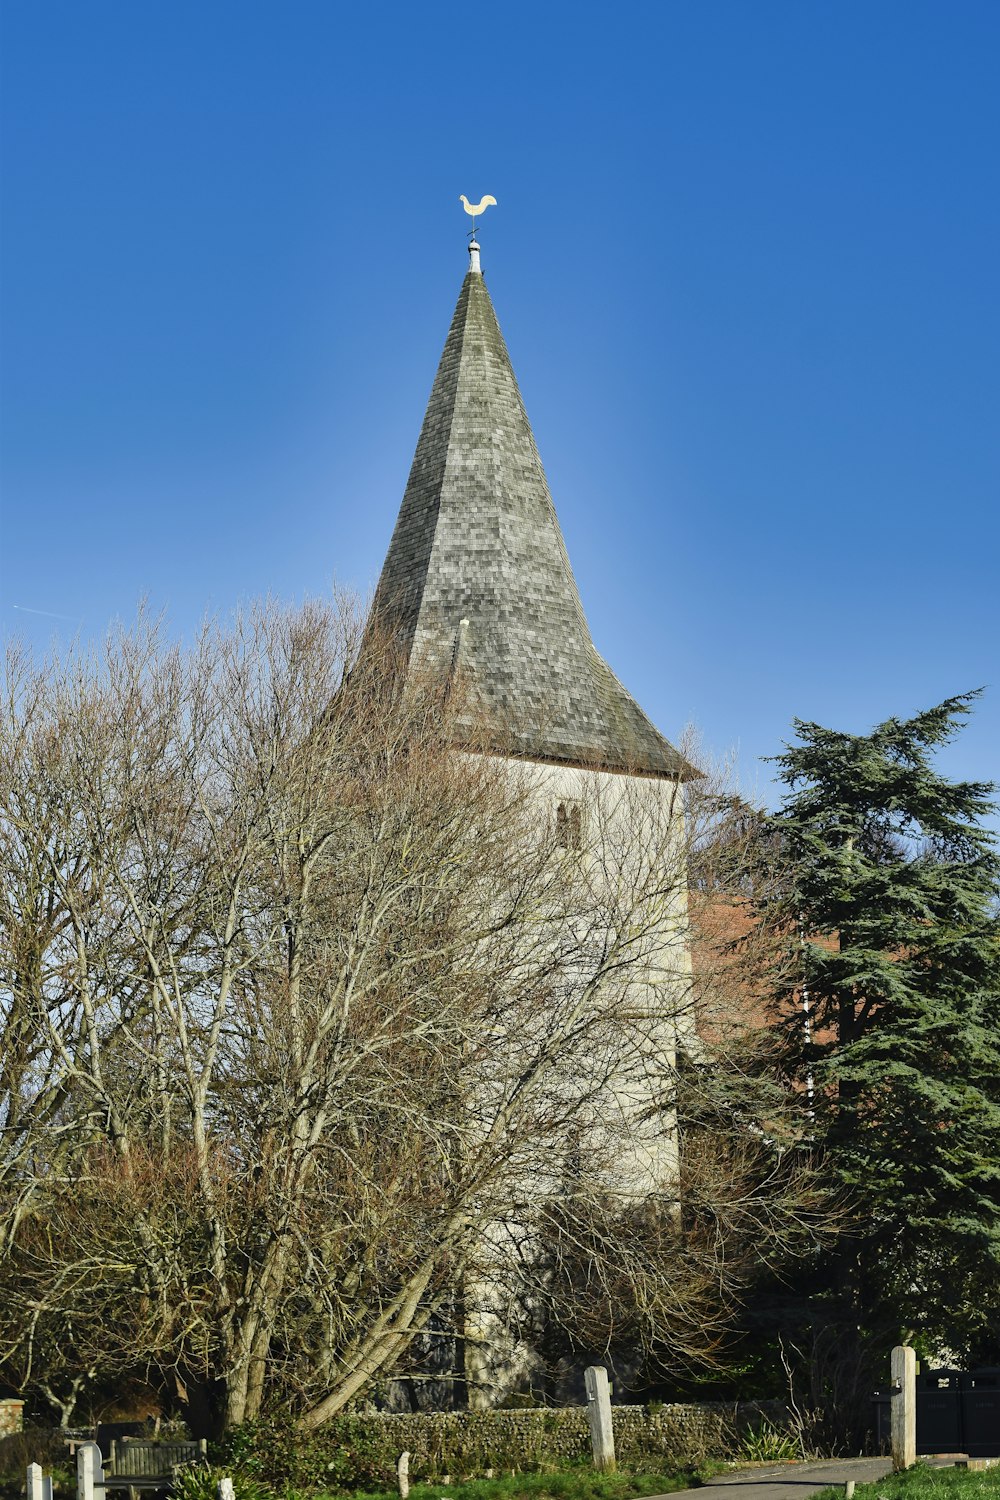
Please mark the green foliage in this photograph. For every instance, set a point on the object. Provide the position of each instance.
(892, 907)
(570, 1484)
(35, 1445)
(291, 1480)
(200, 1482)
(345, 1454)
(355, 1453)
(767, 1445)
(351, 1453)
(923, 1483)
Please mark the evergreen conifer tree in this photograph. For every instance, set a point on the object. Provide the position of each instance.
(891, 902)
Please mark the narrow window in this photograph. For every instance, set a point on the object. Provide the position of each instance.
(568, 825)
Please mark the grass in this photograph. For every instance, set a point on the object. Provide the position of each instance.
(922, 1483)
(568, 1485)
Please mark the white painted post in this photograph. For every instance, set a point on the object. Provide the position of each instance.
(602, 1432)
(36, 1482)
(89, 1472)
(224, 1489)
(403, 1474)
(903, 1407)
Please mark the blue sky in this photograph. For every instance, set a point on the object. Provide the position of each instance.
(745, 258)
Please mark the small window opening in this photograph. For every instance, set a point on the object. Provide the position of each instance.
(568, 825)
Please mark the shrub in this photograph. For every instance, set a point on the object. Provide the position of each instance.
(768, 1445)
(200, 1482)
(35, 1445)
(347, 1453)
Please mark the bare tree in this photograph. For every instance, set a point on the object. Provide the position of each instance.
(304, 1014)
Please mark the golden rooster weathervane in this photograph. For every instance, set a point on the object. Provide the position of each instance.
(476, 208)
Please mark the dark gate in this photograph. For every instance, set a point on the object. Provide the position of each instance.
(959, 1412)
(981, 1413)
(939, 1412)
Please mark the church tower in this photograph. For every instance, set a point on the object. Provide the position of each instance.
(477, 582)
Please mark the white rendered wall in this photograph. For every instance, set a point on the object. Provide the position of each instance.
(632, 814)
(631, 1143)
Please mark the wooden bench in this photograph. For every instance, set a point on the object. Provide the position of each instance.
(144, 1464)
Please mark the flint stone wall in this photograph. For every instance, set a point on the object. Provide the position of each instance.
(11, 1419)
(465, 1444)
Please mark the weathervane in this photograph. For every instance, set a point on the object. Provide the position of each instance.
(476, 208)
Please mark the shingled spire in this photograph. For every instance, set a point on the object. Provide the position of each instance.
(477, 578)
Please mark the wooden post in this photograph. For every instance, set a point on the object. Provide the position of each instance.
(903, 1407)
(89, 1472)
(403, 1474)
(224, 1489)
(602, 1433)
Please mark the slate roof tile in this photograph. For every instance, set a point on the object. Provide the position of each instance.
(477, 577)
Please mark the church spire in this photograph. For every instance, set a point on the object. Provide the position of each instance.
(477, 575)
